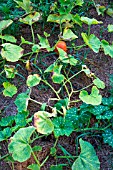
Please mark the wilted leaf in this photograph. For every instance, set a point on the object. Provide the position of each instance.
(4, 24)
(89, 21)
(68, 35)
(10, 71)
(11, 52)
(43, 123)
(31, 18)
(33, 80)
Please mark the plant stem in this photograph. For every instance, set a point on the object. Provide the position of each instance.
(44, 161)
(89, 27)
(35, 158)
(65, 156)
(83, 88)
(2, 157)
(55, 142)
(52, 88)
(33, 34)
(87, 129)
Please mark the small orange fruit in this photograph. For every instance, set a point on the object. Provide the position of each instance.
(62, 45)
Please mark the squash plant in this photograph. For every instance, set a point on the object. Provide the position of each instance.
(61, 119)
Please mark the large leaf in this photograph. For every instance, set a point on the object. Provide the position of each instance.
(62, 127)
(108, 49)
(4, 24)
(92, 41)
(68, 35)
(43, 123)
(22, 101)
(26, 5)
(31, 18)
(59, 18)
(44, 43)
(11, 52)
(9, 89)
(78, 118)
(102, 112)
(87, 159)
(89, 21)
(108, 137)
(94, 98)
(33, 80)
(19, 146)
(9, 38)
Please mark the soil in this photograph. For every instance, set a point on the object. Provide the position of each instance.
(99, 64)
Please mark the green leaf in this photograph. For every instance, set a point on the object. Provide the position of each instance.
(37, 148)
(62, 127)
(33, 167)
(79, 2)
(108, 49)
(100, 9)
(43, 123)
(110, 28)
(109, 12)
(76, 19)
(44, 43)
(7, 121)
(9, 89)
(25, 5)
(108, 137)
(89, 21)
(23, 41)
(60, 103)
(10, 71)
(87, 159)
(9, 38)
(99, 83)
(5, 134)
(94, 98)
(11, 52)
(107, 101)
(68, 35)
(92, 41)
(59, 18)
(19, 146)
(31, 18)
(4, 24)
(20, 118)
(33, 80)
(22, 101)
(102, 112)
(56, 167)
(58, 78)
(78, 118)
